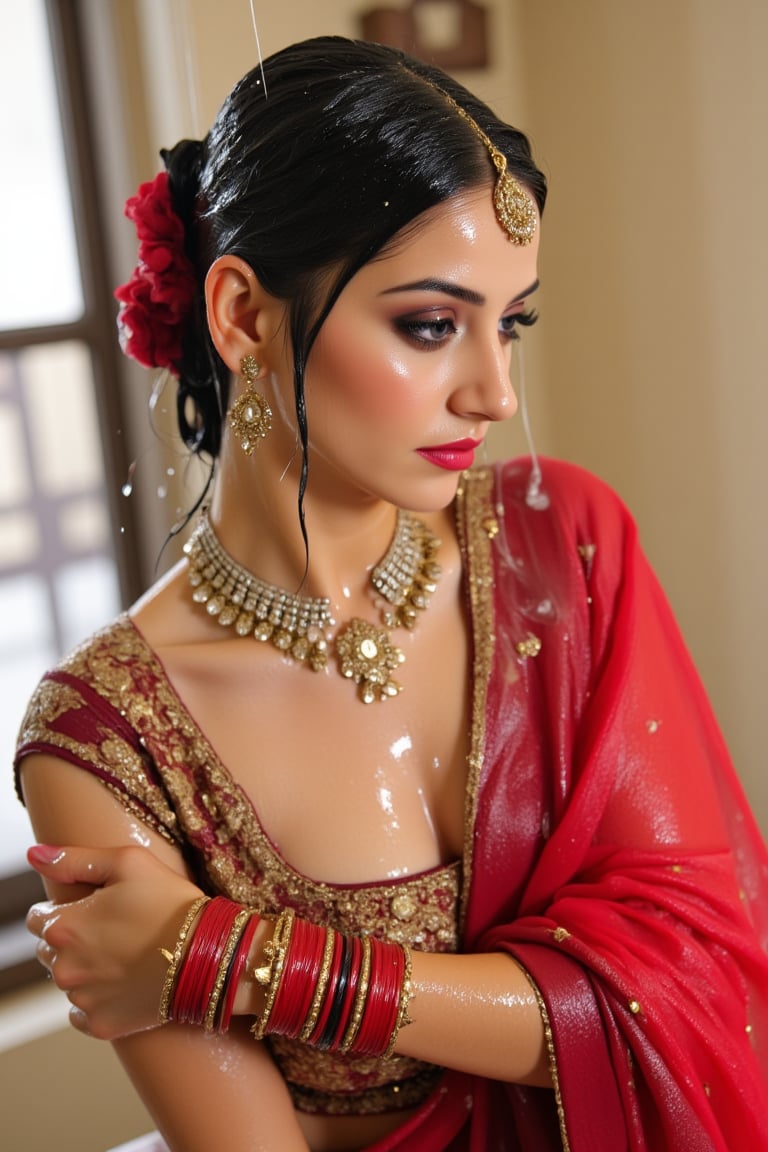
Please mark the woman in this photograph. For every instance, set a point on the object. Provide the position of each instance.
(506, 883)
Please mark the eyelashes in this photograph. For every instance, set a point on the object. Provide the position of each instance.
(428, 333)
(433, 332)
(522, 319)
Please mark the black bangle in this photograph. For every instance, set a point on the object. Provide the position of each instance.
(329, 1032)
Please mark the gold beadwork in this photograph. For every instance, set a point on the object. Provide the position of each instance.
(360, 998)
(560, 934)
(250, 416)
(173, 967)
(299, 626)
(406, 994)
(530, 646)
(269, 974)
(367, 656)
(296, 625)
(514, 208)
(238, 927)
(635, 1007)
(320, 989)
(402, 906)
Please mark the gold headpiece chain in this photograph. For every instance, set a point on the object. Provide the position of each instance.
(515, 210)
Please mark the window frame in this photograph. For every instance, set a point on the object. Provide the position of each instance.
(96, 330)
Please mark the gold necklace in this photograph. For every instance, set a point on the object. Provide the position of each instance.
(300, 626)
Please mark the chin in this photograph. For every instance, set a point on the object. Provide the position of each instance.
(433, 496)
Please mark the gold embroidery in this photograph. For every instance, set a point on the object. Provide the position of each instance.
(131, 784)
(473, 510)
(392, 1097)
(530, 646)
(195, 800)
(549, 1040)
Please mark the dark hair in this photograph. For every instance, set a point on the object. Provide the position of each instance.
(350, 144)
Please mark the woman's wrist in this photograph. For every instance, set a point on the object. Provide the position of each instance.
(294, 978)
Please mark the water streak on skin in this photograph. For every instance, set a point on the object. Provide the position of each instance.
(138, 836)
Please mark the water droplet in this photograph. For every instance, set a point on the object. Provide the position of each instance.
(127, 488)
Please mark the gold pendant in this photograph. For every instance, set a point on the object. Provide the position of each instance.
(366, 655)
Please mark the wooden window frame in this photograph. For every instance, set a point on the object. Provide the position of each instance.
(96, 330)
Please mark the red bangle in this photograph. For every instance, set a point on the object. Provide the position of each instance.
(337, 993)
(239, 960)
(317, 946)
(299, 978)
(333, 980)
(200, 965)
(383, 1000)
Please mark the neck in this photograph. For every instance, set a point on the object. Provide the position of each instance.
(258, 524)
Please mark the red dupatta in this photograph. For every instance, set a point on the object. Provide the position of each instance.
(613, 854)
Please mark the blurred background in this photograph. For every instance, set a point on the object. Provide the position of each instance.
(647, 365)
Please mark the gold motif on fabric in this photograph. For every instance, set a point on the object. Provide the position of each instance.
(474, 508)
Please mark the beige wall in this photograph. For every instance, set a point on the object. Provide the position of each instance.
(60, 1090)
(650, 118)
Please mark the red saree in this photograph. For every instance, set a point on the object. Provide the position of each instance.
(614, 856)
(609, 848)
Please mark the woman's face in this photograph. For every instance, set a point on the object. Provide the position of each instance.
(412, 364)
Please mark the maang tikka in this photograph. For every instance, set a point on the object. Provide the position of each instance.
(250, 416)
(514, 208)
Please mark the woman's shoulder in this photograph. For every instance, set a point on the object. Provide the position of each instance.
(581, 503)
(554, 479)
(93, 677)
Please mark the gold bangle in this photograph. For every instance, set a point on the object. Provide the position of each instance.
(406, 991)
(361, 995)
(268, 975)
(236, 932)
(175, 959)
(322, 985)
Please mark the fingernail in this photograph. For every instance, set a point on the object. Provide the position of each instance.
(44, 854)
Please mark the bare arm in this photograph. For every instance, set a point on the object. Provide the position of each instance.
(200, 1090)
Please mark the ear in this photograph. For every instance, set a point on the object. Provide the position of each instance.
(242, 317)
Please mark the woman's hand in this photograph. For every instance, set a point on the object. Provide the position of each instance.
(103, 949)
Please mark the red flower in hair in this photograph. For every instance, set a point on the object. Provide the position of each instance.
(157, 299)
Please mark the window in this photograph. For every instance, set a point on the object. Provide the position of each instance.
(59, 446)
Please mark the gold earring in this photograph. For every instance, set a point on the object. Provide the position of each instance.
(250, 417)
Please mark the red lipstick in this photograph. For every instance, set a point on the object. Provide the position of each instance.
(454, 457)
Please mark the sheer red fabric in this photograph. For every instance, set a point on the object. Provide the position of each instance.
(615, 857)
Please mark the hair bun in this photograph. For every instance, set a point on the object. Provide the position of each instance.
(184, 163)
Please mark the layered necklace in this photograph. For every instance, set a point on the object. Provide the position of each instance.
(302, 626)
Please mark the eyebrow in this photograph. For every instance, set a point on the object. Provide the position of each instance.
(455, 290)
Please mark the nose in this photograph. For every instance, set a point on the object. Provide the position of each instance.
(486, 390)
